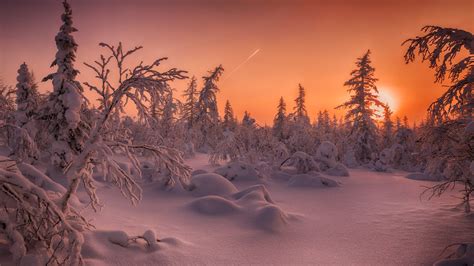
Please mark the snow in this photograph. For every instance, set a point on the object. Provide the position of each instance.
(239, 171)
(371, 219)
(212, 184)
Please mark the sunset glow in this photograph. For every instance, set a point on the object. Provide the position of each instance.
(314, 43)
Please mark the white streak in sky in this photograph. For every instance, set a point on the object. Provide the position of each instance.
(243, 63)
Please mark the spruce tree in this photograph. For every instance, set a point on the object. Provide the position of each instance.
(387, 127)
(63, 112)
(189, 108)
(300, 114)
(27, 96)
(229, 122)
(280, 120)
(208, 115)
(361, 109)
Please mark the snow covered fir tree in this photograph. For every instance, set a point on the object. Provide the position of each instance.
(122, 157)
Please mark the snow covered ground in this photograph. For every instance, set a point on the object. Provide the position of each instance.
(372, 218)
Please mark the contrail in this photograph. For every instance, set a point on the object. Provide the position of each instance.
(241, 64)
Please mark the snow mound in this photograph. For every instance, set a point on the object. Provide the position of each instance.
(280, 175)
(271, 218)
(214, 205)
(212, 184)
(311, 180)
(239, 171)
(252, 204)
(464, 255)
(338, 170)
(119, 248)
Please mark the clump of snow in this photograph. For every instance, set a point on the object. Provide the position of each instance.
(150, 238)
(239, 171)
(211, 184)
(119, 237)
(464, 255)
(311, 180)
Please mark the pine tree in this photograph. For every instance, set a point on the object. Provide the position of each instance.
(208, 115)
(189, 108)
(27, 96)
(279, 122)
(300, 114)
(361, 108)
(229, 122)
(63, 112)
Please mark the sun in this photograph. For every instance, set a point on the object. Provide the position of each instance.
(386, 96)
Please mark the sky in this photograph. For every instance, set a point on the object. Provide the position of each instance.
(266, 47)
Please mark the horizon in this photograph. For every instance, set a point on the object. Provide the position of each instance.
(323, 41)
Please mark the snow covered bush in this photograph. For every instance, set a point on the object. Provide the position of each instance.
(383, 162)
(326, 155)
(228, 149)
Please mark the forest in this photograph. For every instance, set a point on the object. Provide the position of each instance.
(176, 181)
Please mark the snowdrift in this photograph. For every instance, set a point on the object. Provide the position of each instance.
(218, 196)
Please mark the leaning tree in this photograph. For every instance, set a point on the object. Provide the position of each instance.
(449, 133)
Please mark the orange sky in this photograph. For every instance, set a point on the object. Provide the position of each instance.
(310, 42)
